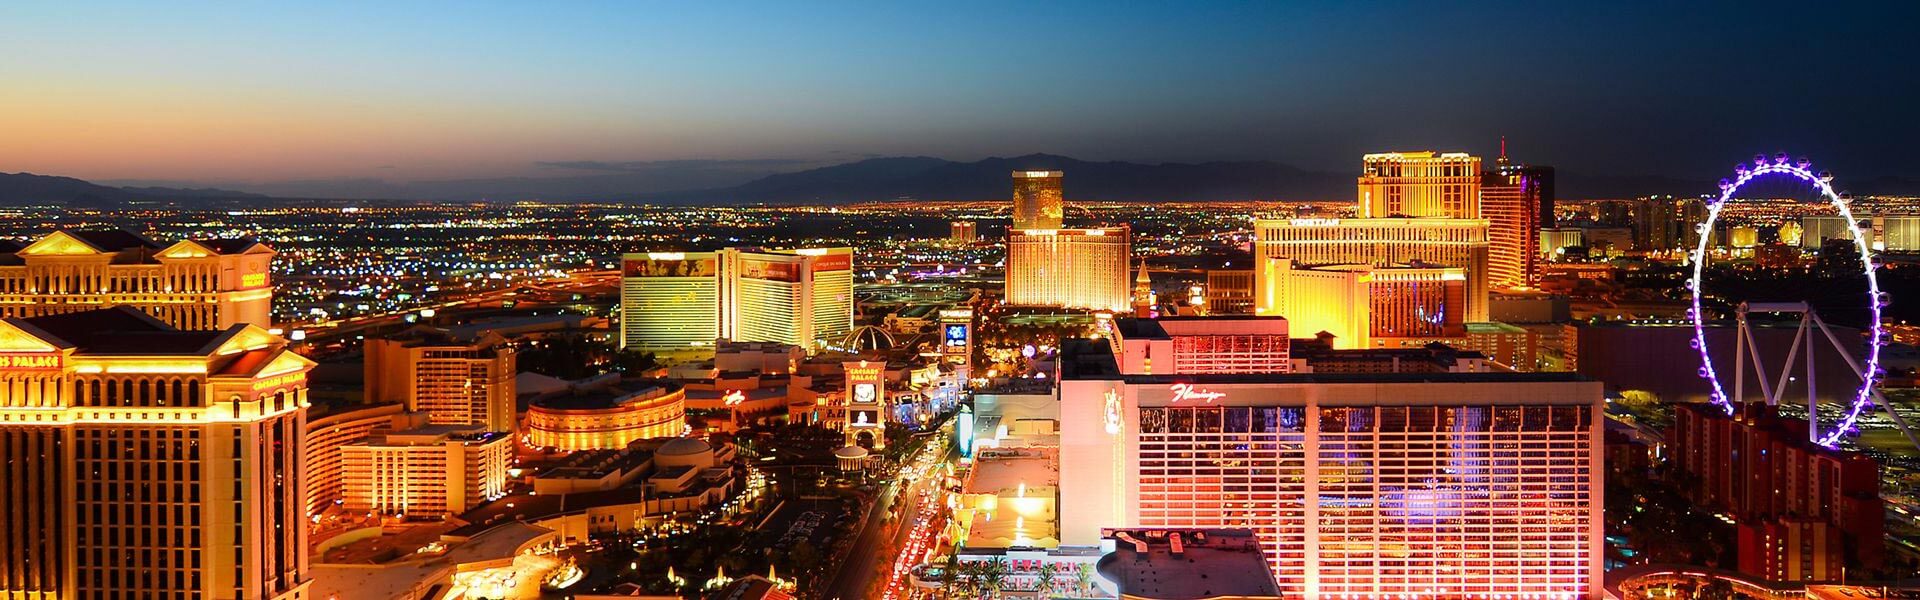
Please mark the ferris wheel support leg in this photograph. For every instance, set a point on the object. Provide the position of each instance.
(1740, 364)
(1878, 399)
(1759, 367)
(1842, 348)
(1786, 367)
(1897, 419)
(1813, 395)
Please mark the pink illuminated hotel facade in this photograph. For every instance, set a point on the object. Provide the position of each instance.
(1400, 485)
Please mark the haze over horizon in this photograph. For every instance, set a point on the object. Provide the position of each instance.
(246, 95)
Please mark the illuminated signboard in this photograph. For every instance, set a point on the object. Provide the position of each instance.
(253, 280)
(963, 428)
(30, 361)
(957, 335)
(278, 381)
(669, 264)
(866, 401)
(838, 261)
(734, 398)
(769, 270)
(1185, 391)
(1313, 222)
(1113, 412)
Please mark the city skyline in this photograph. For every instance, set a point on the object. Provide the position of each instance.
(254, 96)
(1277, 301)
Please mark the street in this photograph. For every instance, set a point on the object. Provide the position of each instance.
(863, 561)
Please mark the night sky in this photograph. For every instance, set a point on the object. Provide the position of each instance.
(268, 92)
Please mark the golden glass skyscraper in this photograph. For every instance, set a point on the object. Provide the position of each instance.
(1049, 266)
(1037, 201)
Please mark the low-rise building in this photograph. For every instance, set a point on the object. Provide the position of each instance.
(1185, 564)
(608, 415)
(603, 470)
(432, 471)
(329, 432)
(686, 476)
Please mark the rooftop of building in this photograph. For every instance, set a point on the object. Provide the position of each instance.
(433, 435)
(609, 395)
(1083, 359)
(83, 326)
(1190, 564)
(1787, 431)
(1401, 221)
(113, 240)
(1168, 327)
(1023, 487)
(1016, 385)
(519, 508)
(752, 587)
(391, 580)
(1321, 349)
(596, 464)
(920, 311)
(726, 346)
(426, 336)
(1092, 232)
(123, 330)
(513, 326)
(127, 247)
(1491, 327)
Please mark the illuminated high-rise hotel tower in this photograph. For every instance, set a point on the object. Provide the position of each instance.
(801, 297)
(190, 284)
(1069, 268)
(144, 461)
(1037, 201)
(1517, 201)
(1382, 243)
(1420, 184)
(454, 381)
(673, 302)
(1048, 266)
(1358, 485)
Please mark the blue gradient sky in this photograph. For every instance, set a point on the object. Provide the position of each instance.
(274, 91)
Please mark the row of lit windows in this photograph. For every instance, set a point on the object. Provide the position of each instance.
(88, 279)
(1528, 528)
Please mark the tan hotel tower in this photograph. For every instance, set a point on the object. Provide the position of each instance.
(151, 432)
(190, 284)
(138, 460)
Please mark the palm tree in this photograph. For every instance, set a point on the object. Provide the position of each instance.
(968, 574)
(992, 573)
(947, 575)
(1083, 577)
(1047, 571)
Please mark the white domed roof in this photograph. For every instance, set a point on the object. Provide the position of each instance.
(684, 447)
(851, 452)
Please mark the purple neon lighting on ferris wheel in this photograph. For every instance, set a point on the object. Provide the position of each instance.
(1863, 397)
